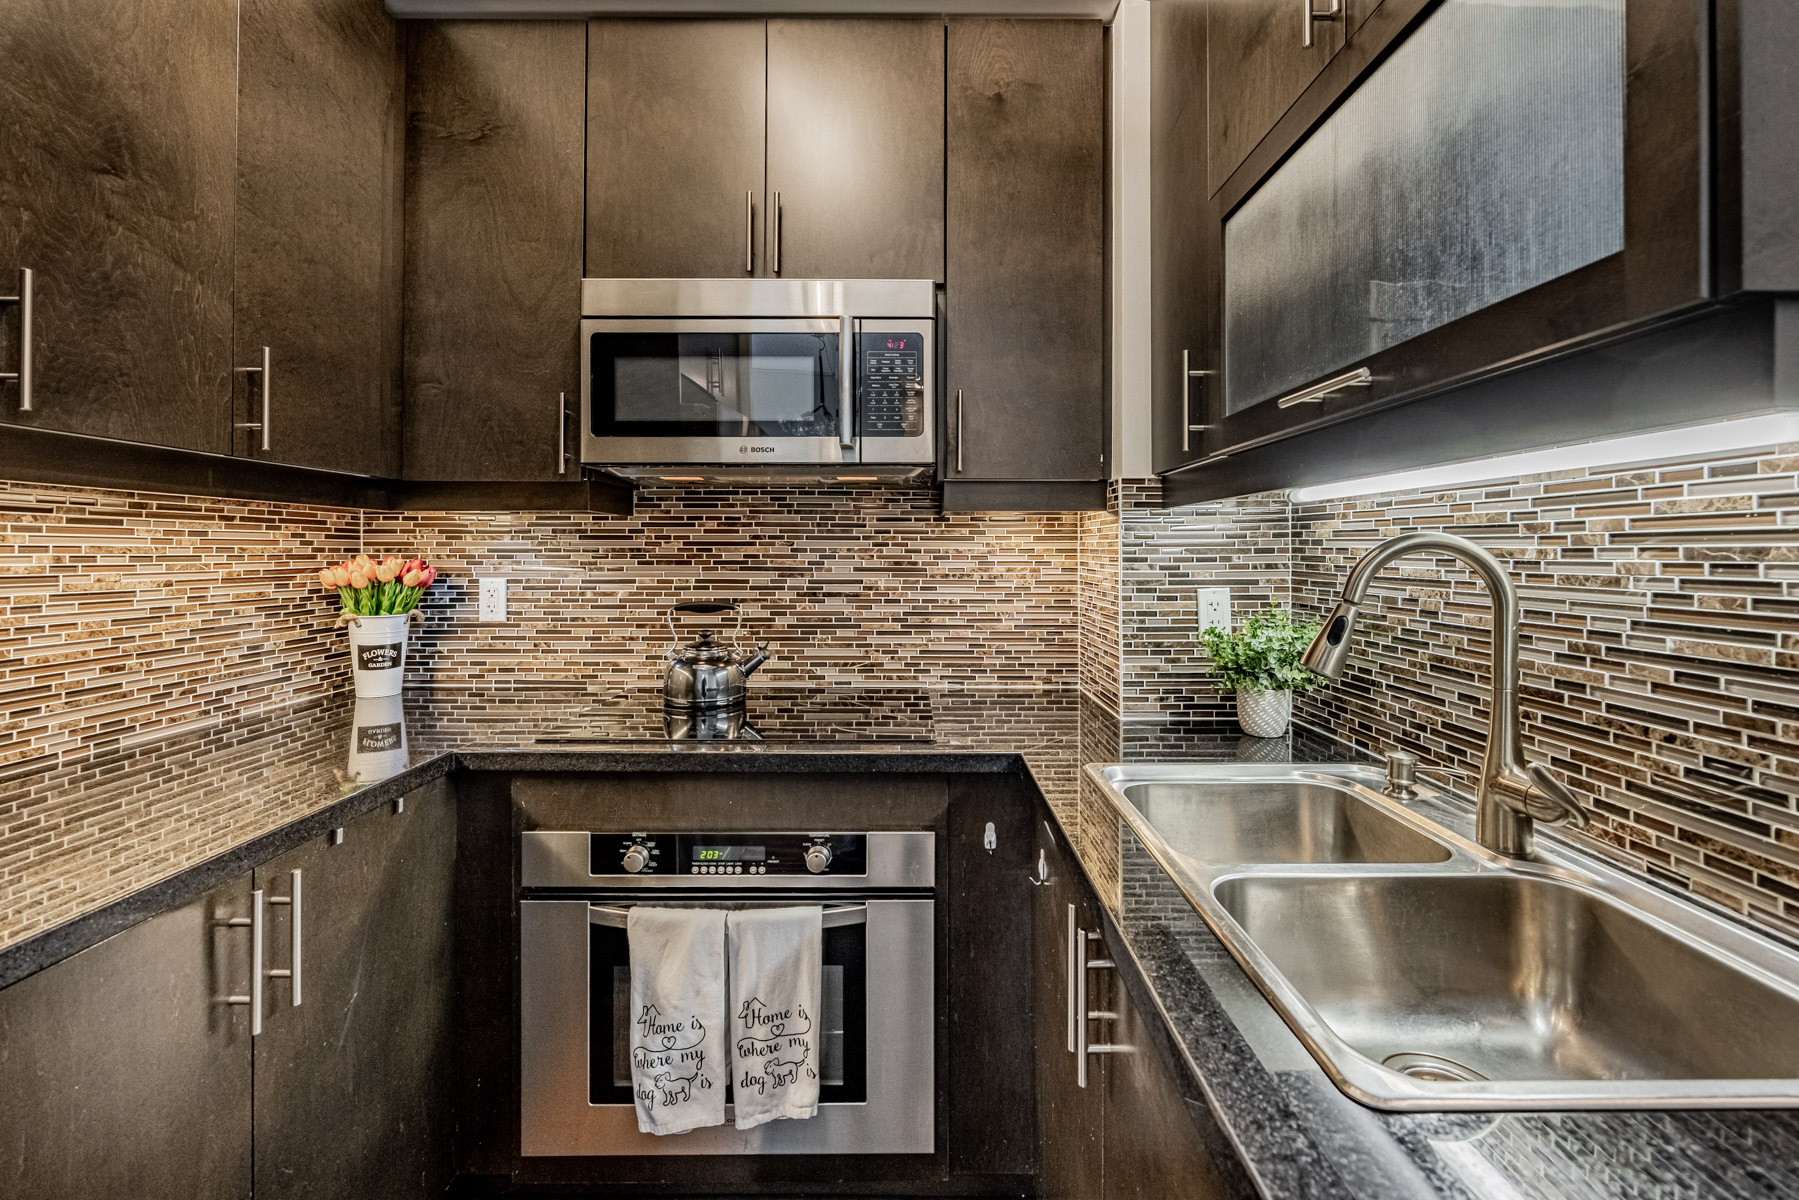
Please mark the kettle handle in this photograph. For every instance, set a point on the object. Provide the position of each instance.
(704, 608)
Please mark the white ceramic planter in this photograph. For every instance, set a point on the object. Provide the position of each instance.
(1264, 714)
(378, 653)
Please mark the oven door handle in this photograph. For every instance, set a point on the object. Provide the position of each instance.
(841, 914)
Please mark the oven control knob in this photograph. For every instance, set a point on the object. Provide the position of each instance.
(818, 858)
(636, 859)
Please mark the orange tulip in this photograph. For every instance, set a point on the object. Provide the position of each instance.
(411, 578)
(340, 575)
(386, 571)
(327, 578)
(358, 579)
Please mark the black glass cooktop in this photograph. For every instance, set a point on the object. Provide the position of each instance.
(813, 714)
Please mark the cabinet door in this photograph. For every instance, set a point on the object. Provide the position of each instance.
(317, 247)
(493, 247)
(1257, 65)
(1069, 1117)
(1184, 259)
(123, 1072)
(1154, 1150)
(855, 149)
(1025, 335)
(352, 1083)
(676, 115)
(116, 189)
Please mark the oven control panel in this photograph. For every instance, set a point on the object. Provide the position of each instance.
(890, 384)
(703, 857)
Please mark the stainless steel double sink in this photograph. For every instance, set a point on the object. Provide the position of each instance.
(1425, 973)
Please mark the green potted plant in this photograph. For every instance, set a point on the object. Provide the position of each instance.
(1260, 662)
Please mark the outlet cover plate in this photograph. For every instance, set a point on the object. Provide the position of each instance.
(492, 600)
(1214, 609)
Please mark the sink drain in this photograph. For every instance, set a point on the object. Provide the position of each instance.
(1432, 1067)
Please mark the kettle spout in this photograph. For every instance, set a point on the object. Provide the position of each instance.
(755, 660)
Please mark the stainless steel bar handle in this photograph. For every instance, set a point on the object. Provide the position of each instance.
(1080, 1007)
(562, 433)
(254, 999)
(1188, 375)
(1315, 394)
(23, 375)
(958, 431)
(775, 235)
(1083, 1047)
(749, 233)
(262, 373)
(291, 972)
(614, 917)
(1313, 15)
(846, 420)
(1071, 951)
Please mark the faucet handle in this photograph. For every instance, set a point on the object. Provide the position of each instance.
(1548, 798)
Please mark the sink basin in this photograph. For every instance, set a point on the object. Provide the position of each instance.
(1278, 821)
(1511, 978)
(1424, 973)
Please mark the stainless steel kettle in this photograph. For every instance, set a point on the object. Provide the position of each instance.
(703, 674)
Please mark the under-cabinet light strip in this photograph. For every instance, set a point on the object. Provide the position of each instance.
(1692, 441)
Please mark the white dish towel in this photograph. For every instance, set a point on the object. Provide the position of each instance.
(679, 1057)
(776, 965)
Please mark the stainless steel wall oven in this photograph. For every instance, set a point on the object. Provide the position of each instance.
(878, 1079)
(756, 372)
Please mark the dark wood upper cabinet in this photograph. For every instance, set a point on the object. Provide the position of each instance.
(494, 159)
(1258, 66)
(1183, 268)
(1025, 333)
(352, 1084)
(317, 245)
(855, 149)
(124, 1073)
(676, 116)
(116, 181)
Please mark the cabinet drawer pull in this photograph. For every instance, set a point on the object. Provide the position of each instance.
(22, 376)
(777, 232)
(1188, 375)
(958, 431)
(1071, 955)
(254, 999)
(292, 971)
(562, 433)
(1082, 965)
(1313, 15)
(749, 233)
(1316, 394)
(262, 374)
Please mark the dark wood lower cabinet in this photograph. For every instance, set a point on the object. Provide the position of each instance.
(1132, 1133)
(122, 1070)
(352, 1084)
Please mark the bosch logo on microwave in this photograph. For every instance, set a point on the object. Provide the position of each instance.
(747, 448)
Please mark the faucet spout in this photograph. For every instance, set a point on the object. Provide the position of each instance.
(1514, 793)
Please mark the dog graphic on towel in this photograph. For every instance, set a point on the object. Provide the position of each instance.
(774, 1048)
(672, 1054)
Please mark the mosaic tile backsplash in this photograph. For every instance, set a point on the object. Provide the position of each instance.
(1660, 645)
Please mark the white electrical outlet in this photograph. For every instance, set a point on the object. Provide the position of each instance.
(1214, 609)
(493, 600)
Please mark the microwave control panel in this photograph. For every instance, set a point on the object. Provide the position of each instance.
(890, 384)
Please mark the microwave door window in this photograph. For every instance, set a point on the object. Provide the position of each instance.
(729, 385)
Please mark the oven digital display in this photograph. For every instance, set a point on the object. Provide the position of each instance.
(728, 854)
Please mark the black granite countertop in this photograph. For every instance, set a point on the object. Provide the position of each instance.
(248, 787)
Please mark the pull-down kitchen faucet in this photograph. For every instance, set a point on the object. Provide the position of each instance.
(1514, 793)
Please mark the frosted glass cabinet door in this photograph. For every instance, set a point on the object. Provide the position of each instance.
(1486, 156)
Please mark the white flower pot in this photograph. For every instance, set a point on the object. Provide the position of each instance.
(377, 739)
(378, 653)
(1264, 714)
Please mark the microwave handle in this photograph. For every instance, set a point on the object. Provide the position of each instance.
(846, 378)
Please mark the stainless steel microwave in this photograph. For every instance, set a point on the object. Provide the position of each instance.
(751, 373)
